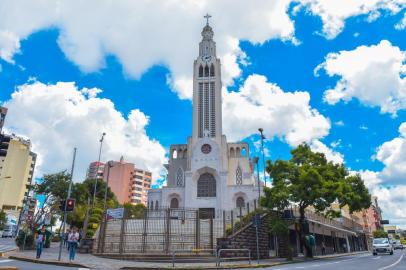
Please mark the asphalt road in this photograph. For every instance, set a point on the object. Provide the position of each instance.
(397, 261)
(34, 266)
(7, 244)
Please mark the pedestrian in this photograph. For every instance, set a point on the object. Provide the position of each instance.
(65, 238)
(40, 240)
(323, 248)
(73, 239)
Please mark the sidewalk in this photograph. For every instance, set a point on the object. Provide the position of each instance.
(50, 256)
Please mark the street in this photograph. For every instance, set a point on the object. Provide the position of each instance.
(359, 262)
(7, 244)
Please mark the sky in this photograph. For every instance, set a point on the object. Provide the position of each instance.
(328, 73)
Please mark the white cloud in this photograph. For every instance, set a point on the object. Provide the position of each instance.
(59, 117)
(145, 33)
(392, 200)
(375, 75)
(286, 115)
(393, 155)
(402, 24)
(331, 155)
(334, 13)
(339, 123)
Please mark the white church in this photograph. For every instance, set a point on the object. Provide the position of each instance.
(207, 173)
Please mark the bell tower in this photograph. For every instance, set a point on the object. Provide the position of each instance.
(207, 111)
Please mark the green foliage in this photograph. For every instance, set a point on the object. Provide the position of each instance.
(380, 234)
(308, 179)
(244, 221)
(3, 220)
(134, 211)
(90, 233)
(278, 227)
(29, 239)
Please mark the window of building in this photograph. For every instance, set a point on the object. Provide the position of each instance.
(138, 183)
(138, 177)
(212, 70)
(156, 205)
(179, 177)
(200, 71)
(174, 203)
(240, 203)
(206, 71)
(238, 176)
(206, 185)
(152, 204)
(148, 174)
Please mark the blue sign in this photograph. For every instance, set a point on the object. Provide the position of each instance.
(117, 213)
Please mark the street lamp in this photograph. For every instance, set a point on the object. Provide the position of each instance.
(255, 160)
(97, 170)
(262, 148)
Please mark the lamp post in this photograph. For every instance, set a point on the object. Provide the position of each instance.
(256, 161)
(261, 131)
(64, 207)
(100, 246)
(97, 170)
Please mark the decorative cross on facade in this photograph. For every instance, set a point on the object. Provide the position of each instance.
(207, 17)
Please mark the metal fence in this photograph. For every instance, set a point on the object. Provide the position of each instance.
(165, 230)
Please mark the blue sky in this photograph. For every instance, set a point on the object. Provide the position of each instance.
(148, 76)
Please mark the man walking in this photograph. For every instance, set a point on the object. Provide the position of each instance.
(73, 239)
(39, 241)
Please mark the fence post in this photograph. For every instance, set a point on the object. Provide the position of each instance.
(248, 207)
(168, 228)
(211, 233)
(144, 234)
(197, 230)
(224, 223)
(232, 222)
(122, 231)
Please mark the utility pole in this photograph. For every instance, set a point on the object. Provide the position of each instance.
(261, 131)
(67, 197)
(97, 171)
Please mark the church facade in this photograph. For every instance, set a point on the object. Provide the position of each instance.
(208, 172)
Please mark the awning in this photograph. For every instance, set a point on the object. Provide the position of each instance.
(332, 227)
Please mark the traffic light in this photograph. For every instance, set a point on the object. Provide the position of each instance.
(62, 205)
(70, 205)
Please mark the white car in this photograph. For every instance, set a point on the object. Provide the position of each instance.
(382, 245)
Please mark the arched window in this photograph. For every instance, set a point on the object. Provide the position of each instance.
(206, 185)
(179, 177)
(174, 203)
(238, 176)
(206, 71)
(152, 205)
(212, 70)
(240, 203)
(185, 153)
(200, 71)
(238, 152)
(232, 152)
(174, 154)
(156, 205)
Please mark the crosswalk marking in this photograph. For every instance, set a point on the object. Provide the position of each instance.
(4, 261)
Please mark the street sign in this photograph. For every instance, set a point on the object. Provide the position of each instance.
(256, 220)
(115, 213)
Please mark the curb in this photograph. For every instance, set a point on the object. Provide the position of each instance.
(25, 259)
(3, 253)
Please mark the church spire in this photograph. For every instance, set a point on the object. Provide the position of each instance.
(207, 32)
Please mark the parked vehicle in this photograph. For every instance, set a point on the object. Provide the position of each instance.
(397, 244)
(9, 231)
(382, 245)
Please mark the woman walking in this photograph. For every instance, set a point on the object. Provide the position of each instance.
(39, 241)
(73, 239)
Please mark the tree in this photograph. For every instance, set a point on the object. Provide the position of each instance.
(380, 234)
(3, 219)
(308, 179)
(53, 188)
(134, 211)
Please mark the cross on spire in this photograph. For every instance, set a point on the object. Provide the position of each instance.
(207, 17)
